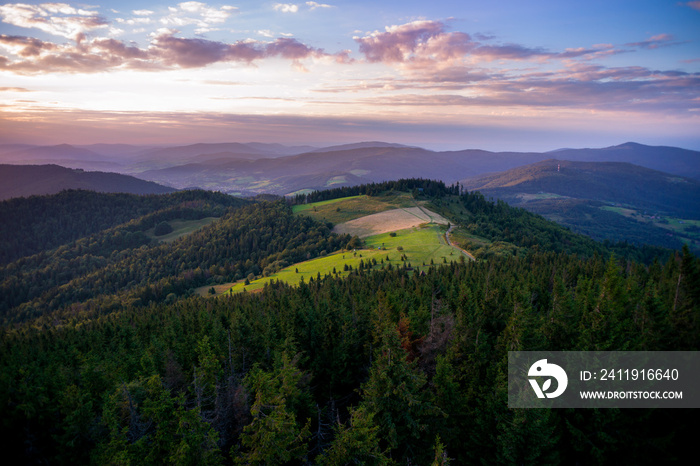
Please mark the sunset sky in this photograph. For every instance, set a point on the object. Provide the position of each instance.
(500, 75)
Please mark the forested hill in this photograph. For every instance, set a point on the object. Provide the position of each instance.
(611, 182)
(100, 272)
(605, 200)
(29, 180)
(40, 223)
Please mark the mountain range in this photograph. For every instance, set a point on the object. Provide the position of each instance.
(254, 168)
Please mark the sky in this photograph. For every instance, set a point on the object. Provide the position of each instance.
(499, 75)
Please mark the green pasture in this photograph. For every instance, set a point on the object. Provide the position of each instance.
(419, 245)
(304, 207)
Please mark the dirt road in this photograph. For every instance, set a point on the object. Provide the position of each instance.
(447, 238)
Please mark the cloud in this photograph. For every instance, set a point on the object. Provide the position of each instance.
(427, 42)
(510, 52)
(286, 7)
(694, 5)
(589, 53)
(660, 95)
(191, 53)
(14, 89)
(197, 13)
(313, 5)
(37, 56)
(143, 12)
(134, 21)
(655, 42)
(292, 49)
(59, 19)
(25, 47)
(165, 51)
(453, 67)
(403, 43)
(577, 85)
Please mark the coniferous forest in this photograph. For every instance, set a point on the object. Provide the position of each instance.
(107, 357)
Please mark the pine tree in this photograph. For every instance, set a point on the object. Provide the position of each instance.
(356, 443)
(393, 395)
(275, 436)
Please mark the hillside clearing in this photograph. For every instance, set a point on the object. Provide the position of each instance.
(181, 228)
(388, 221)
(422, 247)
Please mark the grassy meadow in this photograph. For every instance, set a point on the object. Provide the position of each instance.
(418, 247)
(421, 247)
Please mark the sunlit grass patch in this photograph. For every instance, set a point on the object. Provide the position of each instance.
(418, 248)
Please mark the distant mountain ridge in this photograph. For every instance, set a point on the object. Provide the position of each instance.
(28, 180)
(359, 145)
(616, 182)
(605, 200)
(667, 159)
(255, 168)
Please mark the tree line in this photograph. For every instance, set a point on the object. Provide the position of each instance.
(425, 187)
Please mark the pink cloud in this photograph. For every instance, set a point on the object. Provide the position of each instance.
(191, 53)
(596, 51)
(655, 42)
(37, 56)
(14, 89)
(694, 5)
(401, 43)
(26, 46)
(510, 52)
(165, 51)
(120, 49)
(290, 49)
(424, 42)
